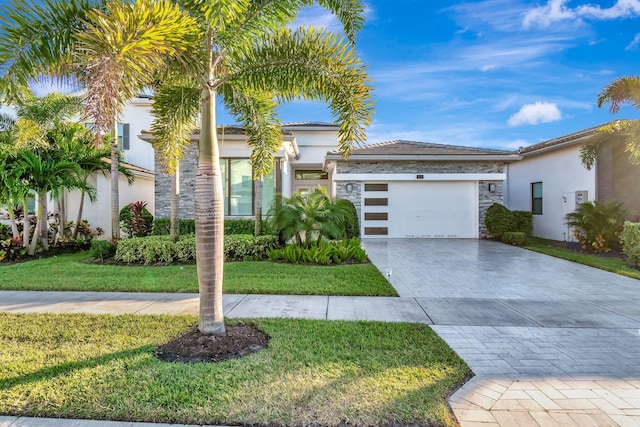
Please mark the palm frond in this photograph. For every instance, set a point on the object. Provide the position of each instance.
(175, 109)
(620, 91)
(315, 65)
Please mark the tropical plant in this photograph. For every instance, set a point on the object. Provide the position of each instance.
(597, 225)
(624, 90)
(249, 57)
(630, 240)
(240, 50)
(136, 219)
(310, 217)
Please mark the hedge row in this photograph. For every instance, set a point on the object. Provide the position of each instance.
(188, 226)
(161, 250)
(500, 221)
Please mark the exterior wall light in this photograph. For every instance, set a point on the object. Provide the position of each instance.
(492, 187)
(349, 188)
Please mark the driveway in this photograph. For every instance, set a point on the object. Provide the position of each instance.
(551, 342)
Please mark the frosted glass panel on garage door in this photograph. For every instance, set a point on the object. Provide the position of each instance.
(433, 209)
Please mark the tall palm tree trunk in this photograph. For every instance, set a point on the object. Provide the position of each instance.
(115, 194)
(259, 183)
(62, 215)
(40, 225)
(26, 225)
(74, 235)
(12, 220)
(174, 223)
(209, 221)
(44, 227)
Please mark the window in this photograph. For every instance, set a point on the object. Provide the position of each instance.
(239, 188)
(123, 136)
(376, 187)
(311, 175)
(536, 198)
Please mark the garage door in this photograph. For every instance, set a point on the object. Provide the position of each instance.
(447, 209)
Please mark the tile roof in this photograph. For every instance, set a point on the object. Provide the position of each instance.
(571, 138)
(413, 148)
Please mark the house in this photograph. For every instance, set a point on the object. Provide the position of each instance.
(138, 158)
(551, 181)
(399, 188)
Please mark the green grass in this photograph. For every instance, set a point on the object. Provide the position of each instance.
(102, 367)
(614, 265)
(70, 273)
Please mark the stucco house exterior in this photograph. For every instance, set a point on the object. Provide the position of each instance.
(551, 181)
(139, 159)
(400, 188)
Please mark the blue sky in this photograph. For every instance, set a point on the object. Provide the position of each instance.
(487, 73)
(491, 73)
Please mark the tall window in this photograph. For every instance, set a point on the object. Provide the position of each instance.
(536, 198)
(123, 136)
(239, 188)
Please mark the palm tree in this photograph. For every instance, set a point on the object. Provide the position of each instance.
(111, 48)
(240, 50)
(624, 90)
(251, 60)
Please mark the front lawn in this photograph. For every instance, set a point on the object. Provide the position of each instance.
(313, 372)
(69, 273)
(612, 264)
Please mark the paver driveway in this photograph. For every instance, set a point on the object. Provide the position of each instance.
(551, 342)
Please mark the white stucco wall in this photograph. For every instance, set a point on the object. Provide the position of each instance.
(561, 174)
(98, 213)
(138, 114)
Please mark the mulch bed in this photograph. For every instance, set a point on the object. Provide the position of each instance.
(576, 247)
(194, 346)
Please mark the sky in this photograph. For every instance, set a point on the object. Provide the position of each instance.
(486, 73)
(490, 73)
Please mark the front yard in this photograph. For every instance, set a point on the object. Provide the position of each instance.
(608, 263)
(312, 373)
(71, 273)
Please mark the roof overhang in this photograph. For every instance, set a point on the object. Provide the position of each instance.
(428, 157)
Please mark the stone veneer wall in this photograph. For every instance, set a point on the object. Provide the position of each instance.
(485, 197)
(188, 167)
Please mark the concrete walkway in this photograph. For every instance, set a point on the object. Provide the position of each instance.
(552, 343)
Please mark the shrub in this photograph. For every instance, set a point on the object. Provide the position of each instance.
(516, 238)
(326, 253)
(5, 232)
(630, 240)
(239, 226)
(161, 226)
(102, 249)
(246, 247)
(524, 222)
(136, 220)
(499, 220)
(11, 249)
(597, 225)
(161, 250)
(350, 220)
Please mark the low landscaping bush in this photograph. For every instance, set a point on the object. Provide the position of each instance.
(161, 250)
(524, 222)
(246, 247)
(517, 238)
(161, 226)
(102, 249)
(325, 254)
(499, 220)
(630, 240)
(597, 225)
(136, 220)
(11, 249)
(188, 226)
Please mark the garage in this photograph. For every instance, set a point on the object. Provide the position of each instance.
(441, 209)
(408, 189)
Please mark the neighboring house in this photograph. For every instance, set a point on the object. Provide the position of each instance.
(551, 181)
(400, 188)
(138, 157)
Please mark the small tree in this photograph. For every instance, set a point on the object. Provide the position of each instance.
(597, 225)
(136, 220)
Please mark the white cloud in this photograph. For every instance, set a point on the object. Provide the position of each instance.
(490, 67)
(557, 10)
(634, 44)
(533, 114)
